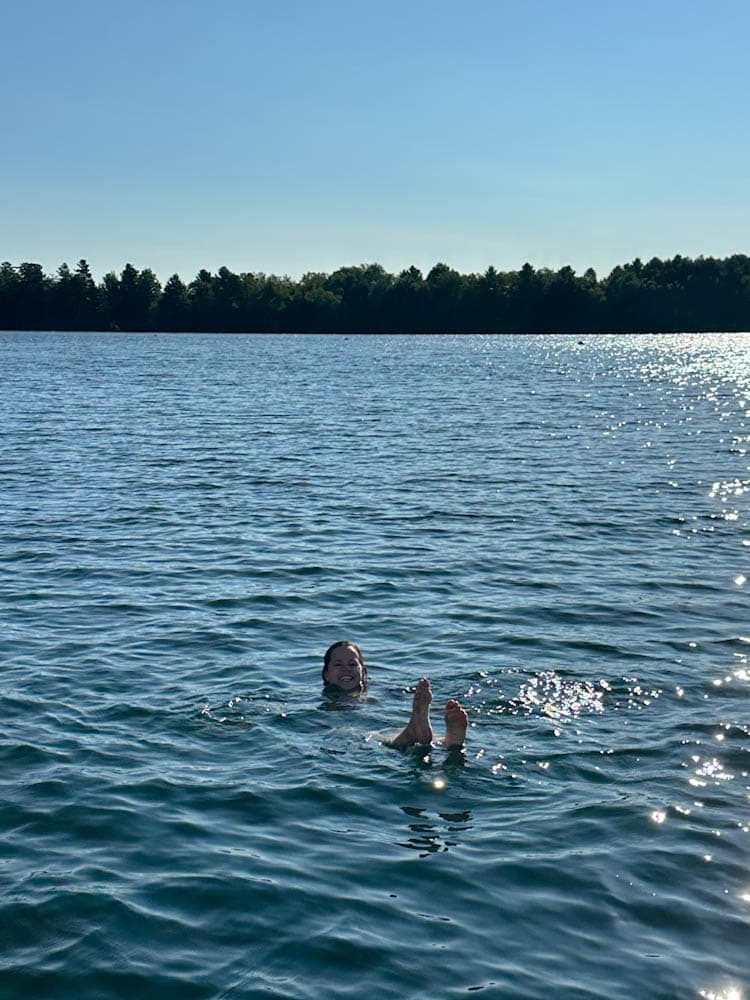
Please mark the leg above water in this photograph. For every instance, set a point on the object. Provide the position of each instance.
(456, 721)
(418, 729)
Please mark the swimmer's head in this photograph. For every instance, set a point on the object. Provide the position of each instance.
(344, 667)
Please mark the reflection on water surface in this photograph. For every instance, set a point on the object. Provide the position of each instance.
(554, 532)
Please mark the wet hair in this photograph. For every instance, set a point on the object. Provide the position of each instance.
(337, 645)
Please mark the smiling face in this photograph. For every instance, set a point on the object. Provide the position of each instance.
(344, 667)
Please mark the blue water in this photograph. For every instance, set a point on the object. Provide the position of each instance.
(554, 531)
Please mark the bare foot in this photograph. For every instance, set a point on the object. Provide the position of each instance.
(456, 721)
(418, 729)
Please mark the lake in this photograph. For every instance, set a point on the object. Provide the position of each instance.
(553, 529)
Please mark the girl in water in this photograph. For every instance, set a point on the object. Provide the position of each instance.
(344, 670)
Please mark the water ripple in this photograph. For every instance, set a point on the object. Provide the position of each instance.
(553, 529)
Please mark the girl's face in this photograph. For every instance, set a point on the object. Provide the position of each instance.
(344, 669)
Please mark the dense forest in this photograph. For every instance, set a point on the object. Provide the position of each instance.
(681, 294)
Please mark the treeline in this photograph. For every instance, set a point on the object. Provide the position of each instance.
(681, 294)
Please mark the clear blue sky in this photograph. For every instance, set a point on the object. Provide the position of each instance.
(302, 136)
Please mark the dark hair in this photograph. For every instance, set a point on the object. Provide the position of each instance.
(336, 645)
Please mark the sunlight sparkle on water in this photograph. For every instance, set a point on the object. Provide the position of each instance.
(731, 993)
(712, 768)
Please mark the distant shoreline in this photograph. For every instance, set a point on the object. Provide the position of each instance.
(679, 295)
